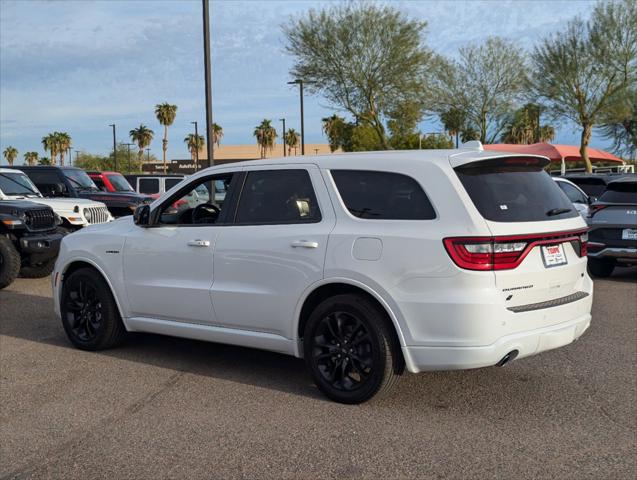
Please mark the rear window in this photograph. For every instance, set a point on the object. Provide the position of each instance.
(593, 187)
(382, 195)
(514, 190)
(149, 185)
(620, 192)
(171, 182)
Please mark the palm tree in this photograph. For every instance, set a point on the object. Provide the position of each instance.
(454, 121)
(194, 143)
(31, 158)
(524, 127)
(44, 161)
(265, 134)
(142, 136)
(64, 143)
(333, 128)
(292, 140)
(165, 113)
(10, 153)
(217, 133)
(51, 144)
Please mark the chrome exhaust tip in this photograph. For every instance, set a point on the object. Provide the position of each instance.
(509, 357)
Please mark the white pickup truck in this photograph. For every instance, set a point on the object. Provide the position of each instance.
(75, 212)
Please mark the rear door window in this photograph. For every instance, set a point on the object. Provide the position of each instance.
(620, 192)
(382, 195)
(278, 197)
(149, 185)
(514, 190)
(573, 194)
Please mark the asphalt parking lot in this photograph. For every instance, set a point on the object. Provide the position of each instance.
(160, 407)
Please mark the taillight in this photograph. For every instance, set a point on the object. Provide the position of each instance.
(506, 253)
(593, 209)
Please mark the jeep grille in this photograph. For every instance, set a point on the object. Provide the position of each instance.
(41, 219)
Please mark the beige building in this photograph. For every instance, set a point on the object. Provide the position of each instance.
(236, 153)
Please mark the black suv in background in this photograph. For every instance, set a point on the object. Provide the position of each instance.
(74, 182)
(593, 184)
(29, 240)
(612, 238)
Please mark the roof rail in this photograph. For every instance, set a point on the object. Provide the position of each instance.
(472, 145)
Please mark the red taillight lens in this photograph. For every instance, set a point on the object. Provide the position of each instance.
(506, 253)
(593, 209)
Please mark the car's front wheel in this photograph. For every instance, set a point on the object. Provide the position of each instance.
(89, 314)
(9, 262)
(349, 349)
(601, 268)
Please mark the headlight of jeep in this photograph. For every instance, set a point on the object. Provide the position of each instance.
(88, 215)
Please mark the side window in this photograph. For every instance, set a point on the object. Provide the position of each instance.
(47, 182)
(171, 182)
(573, 194)
(278, 197)
(100, 184)
(197, 203)
(149, 185)
(382, 195)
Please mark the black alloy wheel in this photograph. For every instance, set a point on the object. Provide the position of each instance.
(84, 310)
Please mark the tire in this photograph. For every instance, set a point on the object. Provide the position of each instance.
(9, 262)
(39, 270)
(350, 350)
(89, 314)
(600, 268)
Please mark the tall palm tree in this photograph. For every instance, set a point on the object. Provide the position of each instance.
(292, 140)
(524, 127)
(333, 128)
(10, 153)
(142, 136)
(217, 133)
(194, 143)
(265, 134)
(31, 158)
(165, 113)
(64, 143)
(51, 144)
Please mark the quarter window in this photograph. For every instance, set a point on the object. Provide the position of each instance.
(149, 185)
(382, 195)
(278, 197)
(573, 194)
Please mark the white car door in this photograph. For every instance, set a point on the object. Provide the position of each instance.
(168, 267)
(274, 250)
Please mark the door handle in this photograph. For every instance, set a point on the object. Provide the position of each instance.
(304, 244)
(199, 243)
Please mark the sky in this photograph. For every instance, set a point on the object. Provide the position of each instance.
(78, 66)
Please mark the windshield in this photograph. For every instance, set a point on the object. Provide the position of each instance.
(514, 190)
(120, 184)
(80, 179)
(17, 184)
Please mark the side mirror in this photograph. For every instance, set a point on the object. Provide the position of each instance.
(141, 216)
(592, 200)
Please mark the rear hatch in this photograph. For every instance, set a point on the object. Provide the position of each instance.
(537, 248)
(613, 219)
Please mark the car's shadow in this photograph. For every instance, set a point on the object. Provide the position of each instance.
(622, 274)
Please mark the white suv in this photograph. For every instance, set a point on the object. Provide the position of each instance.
(363, 264)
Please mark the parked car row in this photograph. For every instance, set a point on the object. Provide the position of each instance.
(608, 202)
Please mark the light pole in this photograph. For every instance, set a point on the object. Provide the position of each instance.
(148, 155)
(71, 156)
(129, 145)
(283, 120)
(76, 156)
(299, 82)
(114, 146)
(196, 146)
(208, 81)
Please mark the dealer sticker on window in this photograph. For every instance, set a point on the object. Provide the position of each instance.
(553, 255)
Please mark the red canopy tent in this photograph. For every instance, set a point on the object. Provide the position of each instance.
(557, 153)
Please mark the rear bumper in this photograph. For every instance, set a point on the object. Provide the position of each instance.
(527, 343)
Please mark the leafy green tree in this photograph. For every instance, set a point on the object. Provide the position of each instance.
(364, 138)
(582, 71)
(31, 158)
(165, 113)
(217, 134)
(194, 143)
(142, 136)
(524, 127)
(292, 140)
(45, 161)
(485, 84)
(366, 59)
(402, 125)
(265, 134)
(10, 154)
(620, 126)
(436, 141)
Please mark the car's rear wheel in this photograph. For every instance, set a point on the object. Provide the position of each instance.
(89, 313)
(349, 349)
(9, 262)
(600, 268)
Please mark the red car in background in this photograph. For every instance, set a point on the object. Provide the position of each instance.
(116, 182)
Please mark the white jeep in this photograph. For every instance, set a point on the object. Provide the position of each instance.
(74, 212)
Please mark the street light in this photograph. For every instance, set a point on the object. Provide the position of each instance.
(283, 120)
(129, 145)
(196, 146)
(148, 155)
(208, 81)
(114, 146)
(299, 82)
(70, 152)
